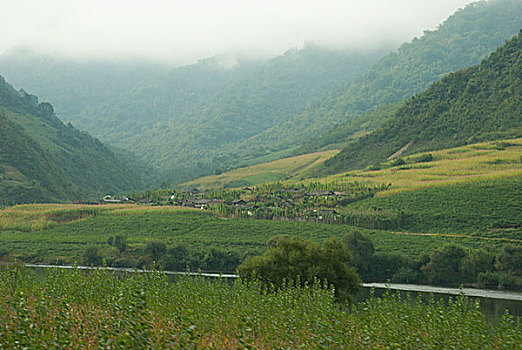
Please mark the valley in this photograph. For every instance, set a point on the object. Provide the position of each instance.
(305, 171)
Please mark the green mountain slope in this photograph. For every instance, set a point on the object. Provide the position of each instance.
(19, 155)
(189, 121)
(42, 159)
(483, 102)
(73, 86)
(464, 39)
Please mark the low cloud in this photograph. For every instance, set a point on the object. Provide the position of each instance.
(181, 31)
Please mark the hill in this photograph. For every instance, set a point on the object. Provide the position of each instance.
(188, 121)
(42, 159)
(483, 102)
(73, 86)
(464, 39)
(281, 169)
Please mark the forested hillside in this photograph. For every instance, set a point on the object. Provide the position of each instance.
(483, 102)
(226, 112)
(188, 121)
(73, 86)
(464, 39)
(42, 159)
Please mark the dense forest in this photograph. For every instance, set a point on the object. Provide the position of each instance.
(185, 122)
(483, 102)
(42, 159)
(464, 39)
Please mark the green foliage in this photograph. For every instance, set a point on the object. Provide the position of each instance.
(444, 265)
(361, 249)
(48, 160)
(479, 103)
(510, 259)
(464, 39)
(71, 309)
(294, 259)
(489, 208)
(155, 249)
(91, 256)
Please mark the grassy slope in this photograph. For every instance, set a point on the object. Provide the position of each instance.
(451, 166)
(57, 159)
(283, 169)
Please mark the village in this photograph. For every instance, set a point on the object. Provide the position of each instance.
(316, 202)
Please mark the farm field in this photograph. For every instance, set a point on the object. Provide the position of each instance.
(71, 309)
(283, 169)
(31, 232)
(465, 164)
(450, 166)
(485, 207)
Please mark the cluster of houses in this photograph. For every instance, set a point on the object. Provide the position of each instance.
(290, 201)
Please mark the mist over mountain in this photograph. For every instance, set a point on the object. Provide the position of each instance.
(466, 38)
(229, 111)
(187, 121)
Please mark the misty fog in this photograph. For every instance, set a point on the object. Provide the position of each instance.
(180, 32)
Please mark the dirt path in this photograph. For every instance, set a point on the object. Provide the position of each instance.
(401, 151)
(452, 235)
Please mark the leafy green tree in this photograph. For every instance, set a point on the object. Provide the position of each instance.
(120, 242)
(92, 256)
(510, 259)
(155, 250)
(361, 250)
(477, 261)
(177, 257)
(294, 259)
(444, 265)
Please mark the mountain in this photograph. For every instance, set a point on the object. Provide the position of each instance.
(73, 86)
(42, 159)
(480, 103)
(464, 39)
(226, 112)
(189, 121)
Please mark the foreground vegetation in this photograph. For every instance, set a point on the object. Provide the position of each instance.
(73, 309)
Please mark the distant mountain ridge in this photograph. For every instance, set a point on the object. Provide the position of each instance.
(480, 103)
(42, 159)
(188, 121)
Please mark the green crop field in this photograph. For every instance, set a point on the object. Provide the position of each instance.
(451, 166)
(71, 309)
(200, 230)
(490, 208)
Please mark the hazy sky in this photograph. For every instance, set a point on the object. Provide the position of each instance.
(185, 30)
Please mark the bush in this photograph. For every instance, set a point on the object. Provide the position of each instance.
(294, 259)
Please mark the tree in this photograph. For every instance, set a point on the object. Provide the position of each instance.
(155, 249)
(444, 265)
(120, 242)
(361, 249)
(91, 256)
(177, 257)
(294, 259)
(477, 261)
(510, 259)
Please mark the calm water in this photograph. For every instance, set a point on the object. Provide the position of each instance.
(491, 303)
